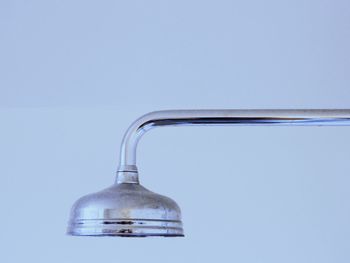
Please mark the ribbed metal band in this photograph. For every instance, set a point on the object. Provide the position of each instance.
(125, 227)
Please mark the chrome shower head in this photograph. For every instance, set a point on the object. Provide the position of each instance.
(125, 209)
(128, 209)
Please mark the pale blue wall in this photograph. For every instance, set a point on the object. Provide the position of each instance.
(74, 74)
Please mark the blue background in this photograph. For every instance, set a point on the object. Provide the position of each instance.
(75, 74)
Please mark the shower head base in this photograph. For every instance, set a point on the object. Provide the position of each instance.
(126, 227)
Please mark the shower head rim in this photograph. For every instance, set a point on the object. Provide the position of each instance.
(125, 227)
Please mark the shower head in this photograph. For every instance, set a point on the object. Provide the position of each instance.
(130, 210)
(125, 209)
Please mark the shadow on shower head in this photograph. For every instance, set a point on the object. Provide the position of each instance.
(127, 209)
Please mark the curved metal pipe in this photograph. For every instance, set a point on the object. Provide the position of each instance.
(127, 171)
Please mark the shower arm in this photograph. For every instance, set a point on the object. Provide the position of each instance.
(127, 171)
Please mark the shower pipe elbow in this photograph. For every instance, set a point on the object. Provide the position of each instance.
(133, 134)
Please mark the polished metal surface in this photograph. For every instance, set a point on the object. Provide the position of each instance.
(128, 209)
(282, 117)
(125, 210)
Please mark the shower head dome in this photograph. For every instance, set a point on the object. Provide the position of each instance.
(125, 209)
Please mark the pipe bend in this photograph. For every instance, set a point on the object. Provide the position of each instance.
(159, 118)
(132, 136)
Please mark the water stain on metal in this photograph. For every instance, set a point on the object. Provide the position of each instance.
(125, 231)
(125, 223)
(118, 223)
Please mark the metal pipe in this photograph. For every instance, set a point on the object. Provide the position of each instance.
(127, 171)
